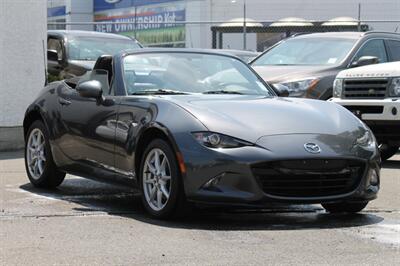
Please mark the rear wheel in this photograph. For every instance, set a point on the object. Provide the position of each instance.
(349, 207)
(387, 151)
(162, 190)
(40, 167)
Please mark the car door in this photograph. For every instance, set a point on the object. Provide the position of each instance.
(393, 49)
(372, 47)
(89, 127)
(55, 43)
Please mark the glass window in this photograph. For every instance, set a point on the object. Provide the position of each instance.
(373, 48)
(190, 73)
(90, 48)
(55, 44)
(307, 51)
(394, 49)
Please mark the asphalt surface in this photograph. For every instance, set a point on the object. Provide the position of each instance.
(89, 223)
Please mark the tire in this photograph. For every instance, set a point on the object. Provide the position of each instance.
(349, 207)
(387, 151)
(42, 171)
(153, 179)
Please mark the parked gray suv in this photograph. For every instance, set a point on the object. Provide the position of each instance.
(72, 53)
(307, 64)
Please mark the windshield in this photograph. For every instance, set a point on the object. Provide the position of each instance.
(307, 51)
(90, 48)
(181, 73)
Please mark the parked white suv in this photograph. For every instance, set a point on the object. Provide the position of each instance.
(373, 94)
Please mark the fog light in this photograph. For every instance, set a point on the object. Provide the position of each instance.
(213, 181)
(373, 177)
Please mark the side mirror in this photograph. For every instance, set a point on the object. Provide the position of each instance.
(90, 89)
(52, 55)
(365, 60)
(281, 90)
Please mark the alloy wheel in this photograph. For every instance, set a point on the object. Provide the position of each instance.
(156, 179)
(36, 153)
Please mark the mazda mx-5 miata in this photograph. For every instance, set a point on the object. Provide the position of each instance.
(192, 126)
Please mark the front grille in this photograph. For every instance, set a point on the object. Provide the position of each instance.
(365, 88)
(366, 109)
(309, 177)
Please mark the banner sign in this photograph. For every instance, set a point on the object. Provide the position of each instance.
(100, 5)
(56, 11)
(144, 21)
(152, 25)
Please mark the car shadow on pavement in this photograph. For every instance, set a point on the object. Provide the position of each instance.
(93, 197)
(391, 164)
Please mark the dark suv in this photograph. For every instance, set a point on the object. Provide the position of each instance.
(72, 53)
(307, 64)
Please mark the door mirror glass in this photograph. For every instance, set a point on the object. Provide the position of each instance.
(52, 55)
(365, 60)
(90, 89)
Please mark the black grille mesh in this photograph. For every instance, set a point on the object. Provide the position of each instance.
(309, 178)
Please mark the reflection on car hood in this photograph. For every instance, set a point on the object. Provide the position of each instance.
(275, 74)
(88, 65)
(251, 117)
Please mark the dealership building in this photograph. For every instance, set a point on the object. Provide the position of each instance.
(159, 22)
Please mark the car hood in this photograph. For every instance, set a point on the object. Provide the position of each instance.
(252, 117)
(276, 74)
(87, 65)
(372, 71)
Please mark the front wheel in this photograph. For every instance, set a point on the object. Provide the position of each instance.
(387, 151)
(160, 179)
(349, 207)
(40, 167)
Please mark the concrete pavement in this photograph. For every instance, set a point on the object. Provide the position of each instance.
(89, 223)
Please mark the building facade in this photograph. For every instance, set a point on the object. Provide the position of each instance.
(22, 68)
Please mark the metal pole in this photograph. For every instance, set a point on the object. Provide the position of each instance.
(244, 26)
(359, 17)
(135, 20)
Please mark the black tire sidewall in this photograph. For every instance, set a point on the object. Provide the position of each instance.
(387, 151)
(176, 191)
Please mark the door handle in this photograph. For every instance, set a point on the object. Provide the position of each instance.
(63, 101)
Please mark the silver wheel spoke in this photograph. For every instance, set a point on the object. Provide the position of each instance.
(151, 168)
(164, 191)
(165, 178)
(153, 193)
(159, 198)
(157, 161)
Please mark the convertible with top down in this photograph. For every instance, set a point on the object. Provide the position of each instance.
(192, 126)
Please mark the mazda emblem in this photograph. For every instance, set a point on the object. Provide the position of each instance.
(312, 148)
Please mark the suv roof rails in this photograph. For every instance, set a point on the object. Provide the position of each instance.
(300, 33)
(383, 32)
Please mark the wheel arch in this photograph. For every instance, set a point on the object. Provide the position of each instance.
(146, 135)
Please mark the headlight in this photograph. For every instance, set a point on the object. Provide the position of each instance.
(299, 87)
(367, 139)
(216, 140)
(395, 87)
(337, 88)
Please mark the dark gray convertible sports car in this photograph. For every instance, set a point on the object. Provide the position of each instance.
(197, 126)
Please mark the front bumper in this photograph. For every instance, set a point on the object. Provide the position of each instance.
(228, 176)
(372, 109)
(382, 116)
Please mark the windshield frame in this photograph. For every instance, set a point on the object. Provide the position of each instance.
(342, 62)
(122, 81)
(68, 39)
